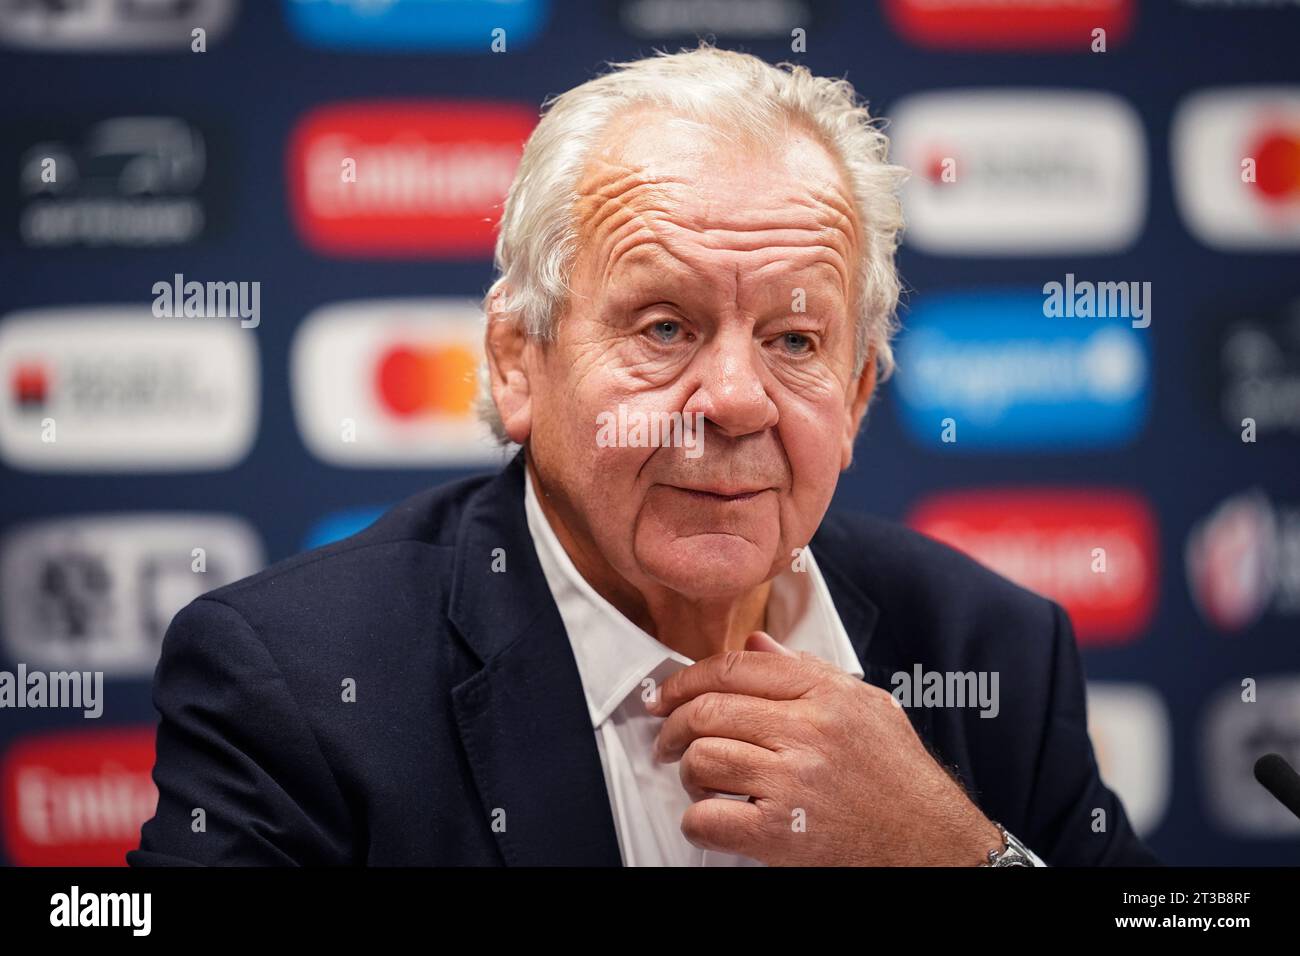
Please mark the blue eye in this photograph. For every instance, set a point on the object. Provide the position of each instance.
(796, 342)
(665, 330)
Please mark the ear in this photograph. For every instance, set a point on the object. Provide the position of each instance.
(506, 345)
(859, 396)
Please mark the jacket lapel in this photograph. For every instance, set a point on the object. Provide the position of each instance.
(860, 617)
(523, 717)
(857, 612)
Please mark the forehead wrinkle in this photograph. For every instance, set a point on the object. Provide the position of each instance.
(838, 232)
(830, 226)
(626, 209)
(617, 196)
(655, 247)
(733, 288)
(768, 237)
(818, 256)
(646, 244)
(843, 215)
(765, 258)
(773, 281)
(626, 196)
(813, 267)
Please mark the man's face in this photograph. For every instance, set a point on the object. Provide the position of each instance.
(711, 278)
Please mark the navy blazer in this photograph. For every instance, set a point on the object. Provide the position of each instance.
(469, 740)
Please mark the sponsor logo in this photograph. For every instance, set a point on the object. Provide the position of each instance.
(1021, 172)
(1259, 373)
(1092, 550)
(1243, 559)
(1130, 731)
(1240, 727)
(404, 179)
(126, 182)
(106, 25)
(475, 26)
(987, 371)
(733, 18)
(98, 591)
(339, 525)
(1236, 165)
(77, 798)
(391, 383)
(111, 388)
(1010, 24)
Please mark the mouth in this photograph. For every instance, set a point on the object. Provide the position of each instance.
(720, 494)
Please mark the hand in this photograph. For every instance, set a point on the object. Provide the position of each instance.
(834, 771)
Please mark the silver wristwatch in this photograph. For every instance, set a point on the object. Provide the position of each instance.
(1013, 852)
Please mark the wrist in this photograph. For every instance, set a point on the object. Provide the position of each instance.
(1012, 852)
(987, 838)
(966, 842)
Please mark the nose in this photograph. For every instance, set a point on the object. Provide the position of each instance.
(732, 392)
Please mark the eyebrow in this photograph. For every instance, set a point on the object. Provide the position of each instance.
(651, 254)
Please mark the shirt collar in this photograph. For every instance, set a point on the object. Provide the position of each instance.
(614, 655)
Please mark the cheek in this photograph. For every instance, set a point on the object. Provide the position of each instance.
(569, 432)
(570, 440)
(566, 402)
(812, 432)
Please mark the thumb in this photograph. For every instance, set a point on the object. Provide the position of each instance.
(763, 641)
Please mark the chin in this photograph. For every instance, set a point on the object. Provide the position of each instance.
(705, 566)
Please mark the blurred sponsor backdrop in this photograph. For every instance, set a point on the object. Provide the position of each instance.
(1099, 386)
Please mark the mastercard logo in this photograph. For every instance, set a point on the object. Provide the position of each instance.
(392, 383)
(1277, 165)
(419, 380)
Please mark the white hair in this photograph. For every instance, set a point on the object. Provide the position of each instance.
(538, 239)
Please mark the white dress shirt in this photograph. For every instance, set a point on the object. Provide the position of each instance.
(616, 660)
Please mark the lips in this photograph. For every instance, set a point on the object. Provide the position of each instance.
(721, 495)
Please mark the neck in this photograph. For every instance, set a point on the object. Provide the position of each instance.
(695, 628)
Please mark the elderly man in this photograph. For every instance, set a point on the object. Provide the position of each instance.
(646, 642)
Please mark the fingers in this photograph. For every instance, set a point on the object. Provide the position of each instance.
(724, 825)
(713, 765)
(713, 714)
(755, 673)
(763, 641)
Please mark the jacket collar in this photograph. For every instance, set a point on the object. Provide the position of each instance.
(523, 716)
